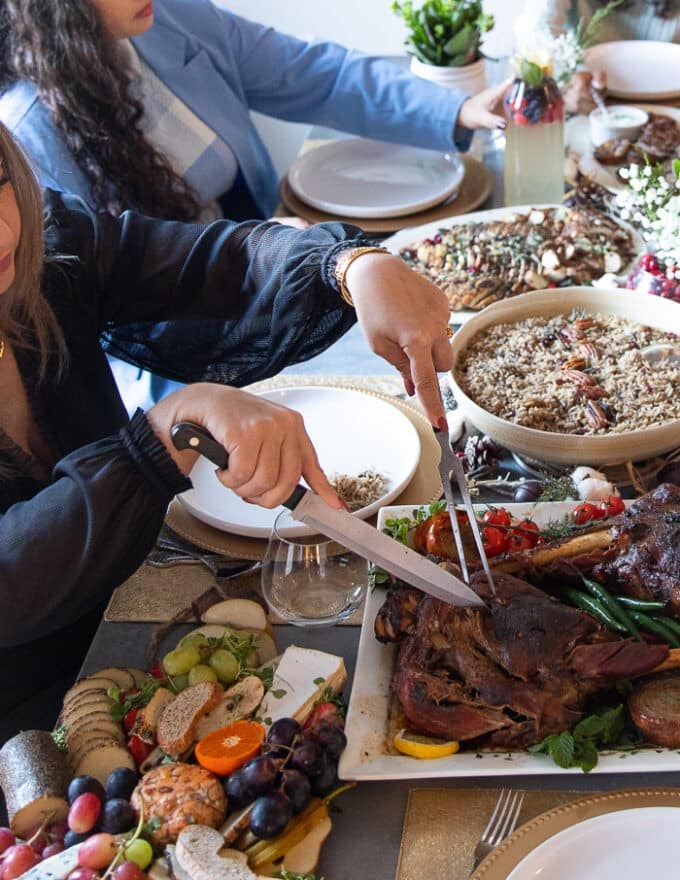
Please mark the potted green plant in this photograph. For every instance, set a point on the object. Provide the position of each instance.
(444, 39)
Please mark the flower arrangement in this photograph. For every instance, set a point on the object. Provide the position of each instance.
(652, 202)
(564, 54)
(445, 33)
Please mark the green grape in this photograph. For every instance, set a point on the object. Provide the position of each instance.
(225, 665)
(181, 660)
(202, 673)
(194, 640)
(139, 852)
(179, 682)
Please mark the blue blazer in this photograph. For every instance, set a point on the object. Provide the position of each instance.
(222, 66)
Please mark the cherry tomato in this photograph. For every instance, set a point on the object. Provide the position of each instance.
(586, 512)
(613, 505)
(129, 719)
(157, 671)
(138, 749)
(529, 531)
(517, 541)
(495, 541)
(496, 516)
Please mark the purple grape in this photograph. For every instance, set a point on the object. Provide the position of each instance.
(309, 758)
(295, 785)
(283, 732)
(270, 815)
(85, 785)
(237, 792)
(120, 783)
(326, 781)
(259, 775)
(71, 838)
(331, 739)
(117, 816)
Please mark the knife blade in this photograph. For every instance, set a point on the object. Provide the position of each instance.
(341, 526)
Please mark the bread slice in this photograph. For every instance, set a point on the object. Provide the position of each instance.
(91, 683)
(176, 728)
(199, 851)
(102, 758)
(147, 718)
(240, 701)
(123, 677)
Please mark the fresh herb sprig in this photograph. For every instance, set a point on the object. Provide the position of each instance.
(139, 698)
(580, 746)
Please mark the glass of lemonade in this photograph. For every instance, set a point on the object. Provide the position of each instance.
(534, 139)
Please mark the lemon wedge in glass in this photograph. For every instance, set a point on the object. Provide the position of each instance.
(418, 746)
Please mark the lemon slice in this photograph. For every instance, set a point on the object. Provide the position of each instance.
(423, 746)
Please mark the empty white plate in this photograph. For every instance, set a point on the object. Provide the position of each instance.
(638, 69)
(361, 178)
(625, 845)
(351, 431)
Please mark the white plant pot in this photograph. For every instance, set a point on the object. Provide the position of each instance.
(469, 79)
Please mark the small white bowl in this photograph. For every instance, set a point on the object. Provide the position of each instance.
(621, 120)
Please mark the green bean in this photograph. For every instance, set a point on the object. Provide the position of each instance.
(668, 621)
(658, 627)
(588, 603)
(640, 604)
(618, 612)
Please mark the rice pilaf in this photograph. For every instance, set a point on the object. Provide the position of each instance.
(578, 374)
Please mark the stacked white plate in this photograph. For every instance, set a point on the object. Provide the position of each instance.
(367, 179)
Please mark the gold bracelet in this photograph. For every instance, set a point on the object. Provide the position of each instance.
(343, 263)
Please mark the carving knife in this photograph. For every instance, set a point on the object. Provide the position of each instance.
(346, 529)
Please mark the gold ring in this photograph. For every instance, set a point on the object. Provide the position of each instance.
(449, 332)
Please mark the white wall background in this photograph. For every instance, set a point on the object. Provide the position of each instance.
(367, 25)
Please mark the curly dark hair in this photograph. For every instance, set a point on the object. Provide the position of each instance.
(83, 80)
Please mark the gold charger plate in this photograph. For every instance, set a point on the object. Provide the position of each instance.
(507, 855)
(425, 487)
(474, 190)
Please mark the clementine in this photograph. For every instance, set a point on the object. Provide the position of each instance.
(228, 748)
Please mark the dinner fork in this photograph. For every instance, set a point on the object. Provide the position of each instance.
(502, 822)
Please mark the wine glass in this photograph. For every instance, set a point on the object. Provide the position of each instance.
(310, 581)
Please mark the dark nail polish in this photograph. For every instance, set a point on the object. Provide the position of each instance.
(443, 425)
(501, 125)
(409, 387)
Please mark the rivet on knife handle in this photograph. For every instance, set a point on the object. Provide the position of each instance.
(187, 435)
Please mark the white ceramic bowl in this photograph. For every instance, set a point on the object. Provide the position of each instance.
(619, 121)
(571, 449)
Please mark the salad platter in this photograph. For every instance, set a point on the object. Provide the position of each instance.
(374, 718)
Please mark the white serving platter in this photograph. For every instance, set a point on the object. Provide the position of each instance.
(577, 138)
(367, 756)
(641, 70)
(351, 432)
(414, 234)
(357, 177)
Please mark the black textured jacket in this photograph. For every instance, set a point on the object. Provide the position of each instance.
(238, 303)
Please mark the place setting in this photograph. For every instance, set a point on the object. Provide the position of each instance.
(211, 535)
(382, 187)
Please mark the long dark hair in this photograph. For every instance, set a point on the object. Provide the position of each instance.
(82, 78)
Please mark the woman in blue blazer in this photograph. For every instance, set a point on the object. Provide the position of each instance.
(157, 118)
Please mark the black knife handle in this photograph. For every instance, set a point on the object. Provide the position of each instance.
(187, 435)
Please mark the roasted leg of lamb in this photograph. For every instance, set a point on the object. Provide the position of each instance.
(509, 675)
